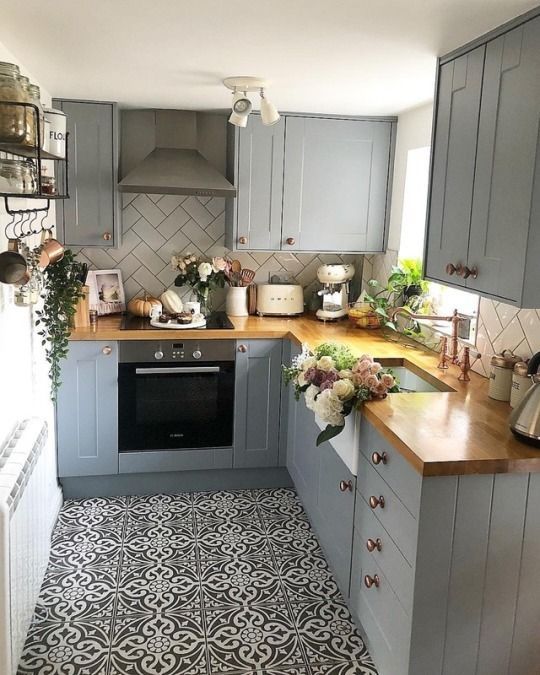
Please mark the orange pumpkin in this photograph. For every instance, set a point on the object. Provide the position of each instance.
(142, 306)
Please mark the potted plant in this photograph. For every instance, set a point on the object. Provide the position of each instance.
(414, 285)
(383, 298)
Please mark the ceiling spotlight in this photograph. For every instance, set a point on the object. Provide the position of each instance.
(269, 114)
(241, 107)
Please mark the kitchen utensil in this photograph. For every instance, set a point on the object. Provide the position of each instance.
(280, 299)
(525, 418)
(500, 375)
(13, 265)
(236, 301)
(521, 383)
(52, 250)
(247, 277)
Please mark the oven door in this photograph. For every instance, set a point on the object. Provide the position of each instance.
(176, 407)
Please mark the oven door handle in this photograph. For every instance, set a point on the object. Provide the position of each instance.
(188, 370)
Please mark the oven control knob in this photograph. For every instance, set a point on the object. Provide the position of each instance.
(197, 354)
(158, 355)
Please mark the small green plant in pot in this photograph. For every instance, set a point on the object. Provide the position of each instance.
(414, 285)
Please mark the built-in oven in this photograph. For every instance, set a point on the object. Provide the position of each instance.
(175, 395)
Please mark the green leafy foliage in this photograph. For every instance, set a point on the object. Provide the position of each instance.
(342, 355)
(61, 291)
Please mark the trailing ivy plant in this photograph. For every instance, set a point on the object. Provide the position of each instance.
(61, 290)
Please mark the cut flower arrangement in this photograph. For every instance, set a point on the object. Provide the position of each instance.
(334, 382)
(202, 275)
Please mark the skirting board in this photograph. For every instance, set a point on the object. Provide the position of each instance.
(178, 481)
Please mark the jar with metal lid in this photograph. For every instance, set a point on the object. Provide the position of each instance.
(500, 375)
(17, 177)
(32, 95)
(12, 117)
(521, 383)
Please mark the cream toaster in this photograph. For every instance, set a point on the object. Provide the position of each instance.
(280, 299)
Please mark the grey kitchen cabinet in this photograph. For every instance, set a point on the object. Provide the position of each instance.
(311, 183)
(87, 410)
(257, 403)
(484, 210)
(90, 217)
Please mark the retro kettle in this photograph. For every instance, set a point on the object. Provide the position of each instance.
(525, 418)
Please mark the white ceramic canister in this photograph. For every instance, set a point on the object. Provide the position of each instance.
(57, 131)
(500, 375)
(236, 301)
(521, 383)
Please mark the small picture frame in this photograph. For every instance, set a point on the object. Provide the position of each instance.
(106, 291)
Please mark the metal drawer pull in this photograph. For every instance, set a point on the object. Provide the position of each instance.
(107, 350)
(345, 485)
(377, 458)
(373, 545)
(472, 272)
(242, 240)
(291, 241)
(376, 501)
(372, 581)
(177, 371)
(107, 236)
(242, 348)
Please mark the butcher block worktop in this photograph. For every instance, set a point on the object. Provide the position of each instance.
(443, 433)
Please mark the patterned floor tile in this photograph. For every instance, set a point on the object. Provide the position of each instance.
(100, 512)
(76, 594)
(240, 581)
(159, 543)
(328, 633)
(307, 577)
(159, 509)
(228, 539)
(293, 535)
(91, 547)
(70, 648)
(366, 667)
(251, 638)
(158, 587)
(225, 505)
(278, 504)
(164, 644)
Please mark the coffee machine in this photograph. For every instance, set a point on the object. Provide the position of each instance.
(335, 291)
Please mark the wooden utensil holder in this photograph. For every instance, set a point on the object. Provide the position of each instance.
(81, 318)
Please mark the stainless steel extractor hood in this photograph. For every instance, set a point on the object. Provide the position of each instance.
(174, 152)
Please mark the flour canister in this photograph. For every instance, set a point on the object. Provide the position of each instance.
(57, 131)
(521, 383)
(500, 375)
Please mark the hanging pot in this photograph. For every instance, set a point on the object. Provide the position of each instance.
(52, 250)
(14, 266)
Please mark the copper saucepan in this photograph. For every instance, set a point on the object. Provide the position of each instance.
(52, 250)
(13, 266)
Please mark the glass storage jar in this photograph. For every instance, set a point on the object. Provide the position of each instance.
(12, 117)
(32, 95)
(17, 177)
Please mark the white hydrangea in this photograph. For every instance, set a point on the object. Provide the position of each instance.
(298, 361)
(309, 395)
(344, 389)
(329, 408)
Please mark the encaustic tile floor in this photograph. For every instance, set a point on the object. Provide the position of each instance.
(216, 583)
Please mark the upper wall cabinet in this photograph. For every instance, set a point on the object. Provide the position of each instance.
(484, 212)
(311, 184)
(90, 216)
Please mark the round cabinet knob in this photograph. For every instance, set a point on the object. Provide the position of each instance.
(197, 354)
(107, 350)
(107, 236)
(470, 272)
(451, 269)
(376, 501)
(372, 581)
(291, 241)
(345, 485)
(242, 348)
(242, 240)
(377, 458)
(158, 355)
(373, 545)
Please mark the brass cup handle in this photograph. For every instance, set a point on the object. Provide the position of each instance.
(378, 457)
(454, 269)
(107, 236)
(291, 241)
(242, 240)
(242, 348)
(373, 545)
(372, 581)
(345, 485)
(107, 351)
(376, 501)
(470, 272)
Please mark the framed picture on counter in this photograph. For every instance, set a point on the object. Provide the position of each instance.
(106, 291)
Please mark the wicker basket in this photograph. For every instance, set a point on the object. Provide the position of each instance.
(362, 315)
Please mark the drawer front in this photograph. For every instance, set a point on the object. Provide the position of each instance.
(396, 471)
(395, 518)
(385, 623)
(400, 574)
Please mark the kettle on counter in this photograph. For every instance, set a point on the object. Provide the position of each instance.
(525, 418)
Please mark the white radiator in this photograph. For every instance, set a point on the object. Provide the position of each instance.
(24, 540)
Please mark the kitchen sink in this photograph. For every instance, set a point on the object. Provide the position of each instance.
(412, 379)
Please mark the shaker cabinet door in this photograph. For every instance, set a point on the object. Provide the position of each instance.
(89, 217)
(508, 145)
(257, 403)
(87, 410)
(336, 184)
(453, 163)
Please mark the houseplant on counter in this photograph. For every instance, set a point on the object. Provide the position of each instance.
(334, 382)
(203, 276)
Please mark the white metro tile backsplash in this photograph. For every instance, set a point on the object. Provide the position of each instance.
(155, 227)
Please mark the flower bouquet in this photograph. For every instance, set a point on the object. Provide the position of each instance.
(201, 275)
(335, 382)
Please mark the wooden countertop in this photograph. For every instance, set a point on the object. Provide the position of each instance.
(445, 433)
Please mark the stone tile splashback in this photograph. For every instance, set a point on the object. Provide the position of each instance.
(157, 226)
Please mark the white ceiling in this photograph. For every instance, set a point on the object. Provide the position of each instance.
(334, 56)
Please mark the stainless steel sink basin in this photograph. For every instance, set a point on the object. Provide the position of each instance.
(412, 379)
